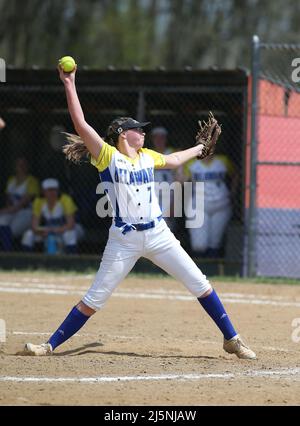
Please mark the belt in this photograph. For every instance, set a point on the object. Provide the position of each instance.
(127, 227)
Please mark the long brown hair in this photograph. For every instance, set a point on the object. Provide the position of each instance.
(75, 150)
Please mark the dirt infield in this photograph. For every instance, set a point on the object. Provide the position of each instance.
(152, 344)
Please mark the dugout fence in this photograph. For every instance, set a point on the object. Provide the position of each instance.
(272, 246)
(33, 105)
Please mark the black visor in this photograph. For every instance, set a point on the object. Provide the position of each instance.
(131, 124)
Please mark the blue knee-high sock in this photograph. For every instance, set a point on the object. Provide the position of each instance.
(215, 309)
(74, 321)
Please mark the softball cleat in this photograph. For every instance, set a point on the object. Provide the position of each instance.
(237, 346)
(38, 350)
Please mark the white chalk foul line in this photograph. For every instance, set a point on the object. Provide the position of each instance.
(146, 296)
(115, 379)
(284, 373)
(47, 286)
(32, 290)
(157, 291)
(189, 298)
(160, 294)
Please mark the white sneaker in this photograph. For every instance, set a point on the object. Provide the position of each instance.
(237, 346)
(38, 350)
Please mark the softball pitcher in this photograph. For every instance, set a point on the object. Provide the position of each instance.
(126, 171)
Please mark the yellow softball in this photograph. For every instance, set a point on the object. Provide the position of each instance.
(67, 63)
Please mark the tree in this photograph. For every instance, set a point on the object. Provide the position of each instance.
(147, 33)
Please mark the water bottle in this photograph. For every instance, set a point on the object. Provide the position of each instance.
(51, 244)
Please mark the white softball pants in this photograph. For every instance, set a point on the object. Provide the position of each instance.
(158, 245)
(210, 234)
(18, 222)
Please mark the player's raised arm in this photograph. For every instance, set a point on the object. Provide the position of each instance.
(89, 136)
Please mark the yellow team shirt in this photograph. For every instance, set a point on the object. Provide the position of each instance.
(65, 206)
(107, 152)
(17, 191)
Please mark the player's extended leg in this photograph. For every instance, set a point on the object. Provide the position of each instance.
(166, 252)
(73, 322)
(119, 257)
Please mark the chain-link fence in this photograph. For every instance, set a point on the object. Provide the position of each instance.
(33, 106)
(274, 173)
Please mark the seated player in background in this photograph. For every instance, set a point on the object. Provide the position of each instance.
(216, 172)
(15, 216)
(159, 141)
(54, 215)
